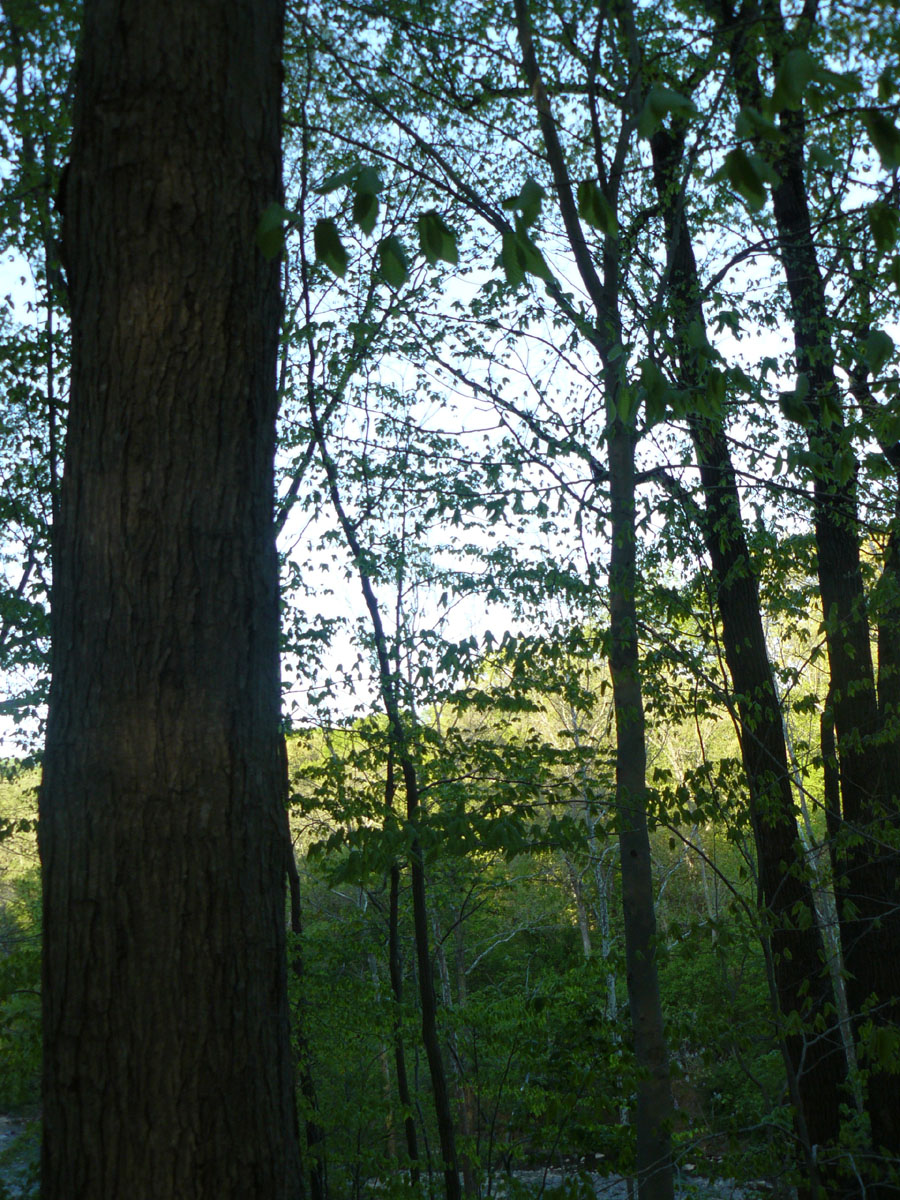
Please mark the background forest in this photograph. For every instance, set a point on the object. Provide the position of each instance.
(588, 504)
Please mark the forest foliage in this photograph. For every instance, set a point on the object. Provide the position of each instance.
(588, 462)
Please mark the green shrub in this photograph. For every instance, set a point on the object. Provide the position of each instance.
(20, 994)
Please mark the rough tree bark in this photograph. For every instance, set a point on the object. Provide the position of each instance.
(167, 1064)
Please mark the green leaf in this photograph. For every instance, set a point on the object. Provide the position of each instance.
(884, 221)
(594, 208)
(270, 230)
(879, 347)
(821, 158)
(392, 261)
(887, 85)
(509, 259)
(795, 73)
(655, 392)
(832, 410)
(748, 174)
(750, 123)
(793, 404)
(886, 427)
(883, 1048)
(885, 137)
(844, 466)
(367, 181)
(626, 404)
(328, 246)
(365, 210)
(530, 257)
(338, 180)
(437, 239)
(528, 202)
(715, 391)
(894, 271)
(659, 103)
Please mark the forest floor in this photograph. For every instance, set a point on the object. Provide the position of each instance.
(19, 1158)
(615, 1187)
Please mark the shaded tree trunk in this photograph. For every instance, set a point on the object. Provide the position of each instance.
(395, 970)
(314, 1164)
(400, 747)
(867, 875)
(462, 1092)
(167, 1064)
(814, 1061)
(655, 1106)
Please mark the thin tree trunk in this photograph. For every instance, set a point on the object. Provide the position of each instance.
(465, 1164)
(401, 747)
(655, 1106)
(866, 881)
(395, 969)
(167, 1063)
(580, 909)
(466, 1097)
(384, 1059)
(315, 1163)
(801, 984)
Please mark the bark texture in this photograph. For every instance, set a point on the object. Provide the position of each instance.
(167, 1058)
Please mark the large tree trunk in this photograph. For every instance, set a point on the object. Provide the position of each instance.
(167, 1064)
(814, 1061)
